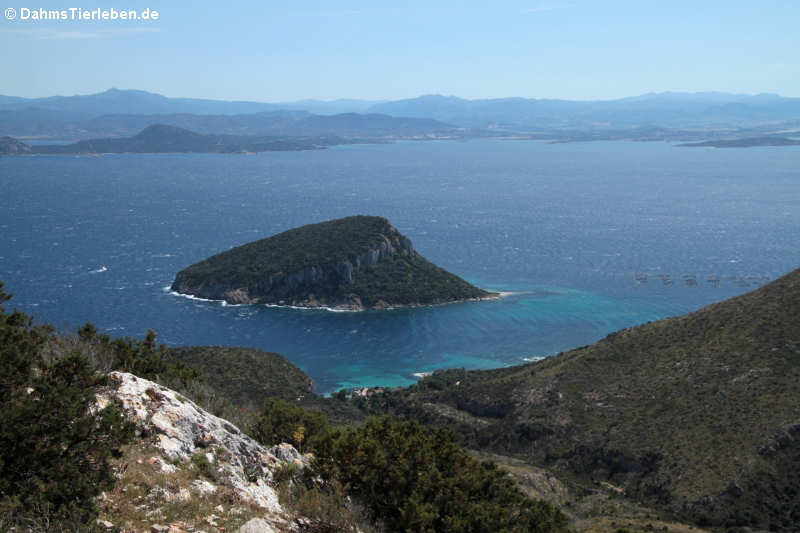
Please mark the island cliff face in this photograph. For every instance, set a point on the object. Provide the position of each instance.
(351, 263)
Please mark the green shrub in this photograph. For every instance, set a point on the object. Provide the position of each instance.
(279, 421)
(415, 478)
(325, 509)
(285, 473)
(140, 357)
(408, 477)
(203, 465)
(54, 448)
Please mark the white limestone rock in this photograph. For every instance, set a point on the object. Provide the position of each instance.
(181, 429)
(256, 525)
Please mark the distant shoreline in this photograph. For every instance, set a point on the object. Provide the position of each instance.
(743, 143)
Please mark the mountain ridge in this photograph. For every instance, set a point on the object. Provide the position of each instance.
(673, 110)
(133, 101)
(706, 114)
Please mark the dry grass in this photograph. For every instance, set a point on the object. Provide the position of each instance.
(144, 496)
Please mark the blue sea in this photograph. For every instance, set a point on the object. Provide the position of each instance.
(589, 238)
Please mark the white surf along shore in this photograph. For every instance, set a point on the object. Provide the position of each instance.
(496, 295)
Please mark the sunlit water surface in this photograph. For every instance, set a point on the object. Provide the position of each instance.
(589, 238)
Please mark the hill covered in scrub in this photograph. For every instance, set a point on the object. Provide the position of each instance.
(353, 263)
(249, 375)
(698, 415)
(240, 378)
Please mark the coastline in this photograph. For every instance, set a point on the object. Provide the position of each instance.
(339, 308)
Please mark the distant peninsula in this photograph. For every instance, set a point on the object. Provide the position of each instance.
(160, 138)
(12, 146)
(352, 263)
(744, 143)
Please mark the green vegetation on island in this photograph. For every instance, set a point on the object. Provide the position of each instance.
(354, 262)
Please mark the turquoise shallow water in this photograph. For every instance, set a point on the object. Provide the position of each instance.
(566, 228)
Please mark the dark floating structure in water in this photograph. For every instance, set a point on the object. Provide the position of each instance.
(713, 280)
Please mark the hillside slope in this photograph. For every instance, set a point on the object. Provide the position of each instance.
(698, 414)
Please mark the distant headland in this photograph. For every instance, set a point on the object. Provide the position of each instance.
(352, 263)
(161, 138)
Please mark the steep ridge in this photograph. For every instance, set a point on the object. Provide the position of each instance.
(698, 414)
(354, 263)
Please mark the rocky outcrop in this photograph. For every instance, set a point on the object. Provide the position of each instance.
(187, 435)
(256, 525)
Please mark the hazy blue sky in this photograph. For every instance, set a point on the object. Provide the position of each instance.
(273, 50)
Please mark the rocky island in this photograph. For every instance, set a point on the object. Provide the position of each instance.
(354, 263)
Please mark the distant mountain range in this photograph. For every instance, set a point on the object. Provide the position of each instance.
(134, 103)
(686, 116)
(116, 113)
(666, 110)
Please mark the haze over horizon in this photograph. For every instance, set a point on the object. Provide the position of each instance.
(698, 94)
(574, 50)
